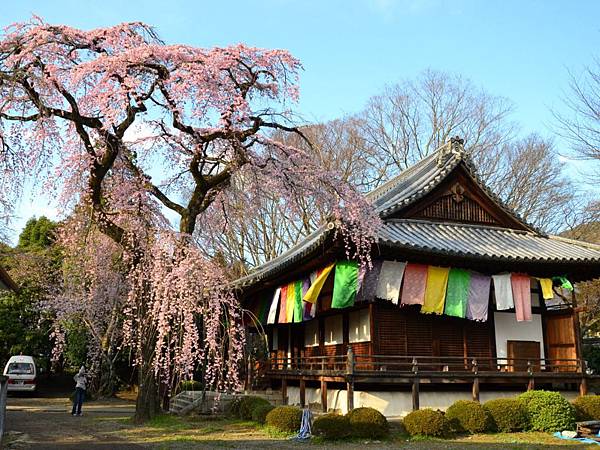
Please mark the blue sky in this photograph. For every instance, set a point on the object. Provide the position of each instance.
(351, 49)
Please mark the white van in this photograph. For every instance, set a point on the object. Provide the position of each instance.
(21, 373)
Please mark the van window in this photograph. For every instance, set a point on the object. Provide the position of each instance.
(20, 368)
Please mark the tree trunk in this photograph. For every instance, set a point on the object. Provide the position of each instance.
(147, 404)
(148, 400)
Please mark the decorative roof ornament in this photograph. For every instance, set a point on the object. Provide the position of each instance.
(455, 146)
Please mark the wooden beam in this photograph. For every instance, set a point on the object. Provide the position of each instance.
(324, 395)
(531, 384)
(302, 392)
(415, 393)
(350, 395)
(583, 387)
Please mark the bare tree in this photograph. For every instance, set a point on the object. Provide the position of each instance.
(581, 124)
(528, 177)
(397, 128)
(411, 119)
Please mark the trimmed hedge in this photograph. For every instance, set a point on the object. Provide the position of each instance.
(285, 418)
(426, 422)
(259, 414)
(468, 416)
(506, 414)
(368, 423)
(331, 426)
(548, 411)
(587, 407)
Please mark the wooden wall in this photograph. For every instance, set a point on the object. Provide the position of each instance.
(404, 331)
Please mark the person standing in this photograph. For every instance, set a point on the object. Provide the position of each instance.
(80, 380)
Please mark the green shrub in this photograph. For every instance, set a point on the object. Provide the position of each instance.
(426, 422)
(506, 414)
(285, 418)
(468, 416)
(548, 411)
(331, 426)
(587, 407)
(259, 414)
(367, 423)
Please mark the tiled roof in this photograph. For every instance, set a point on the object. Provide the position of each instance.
(287, 259)
(479, 241)
(463, 240)
(421, 178)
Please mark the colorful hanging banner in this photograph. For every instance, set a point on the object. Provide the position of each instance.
(282, 305)
(345, 284)
(457, 293)
(547, 291)
(368, 287)
(298, 309)
(503, 291)
(521, 288)
(479, 297)
(415, 282)
(290, 302)
(274, 304)
(315, 289)
(390, 280)
(563, 283)
(435, 291)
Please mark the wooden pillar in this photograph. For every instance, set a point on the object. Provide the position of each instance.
(350, 379)
(302, 392)
(583, 387)
(350, 395)
(415, 393)
(531, 384)
(284, 391)
(475, 392)
(324, 395)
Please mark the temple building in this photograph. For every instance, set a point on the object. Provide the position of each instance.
(464, 299)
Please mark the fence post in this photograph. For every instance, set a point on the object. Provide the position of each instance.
(415, 385)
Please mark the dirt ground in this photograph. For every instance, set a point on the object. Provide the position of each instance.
(46, 423)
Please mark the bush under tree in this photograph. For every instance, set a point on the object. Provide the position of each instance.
(285, 418)
(426, 422)
(548, 411)
(506, 414)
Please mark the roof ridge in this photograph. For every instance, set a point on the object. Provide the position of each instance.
(464, 225)
(574, 241)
